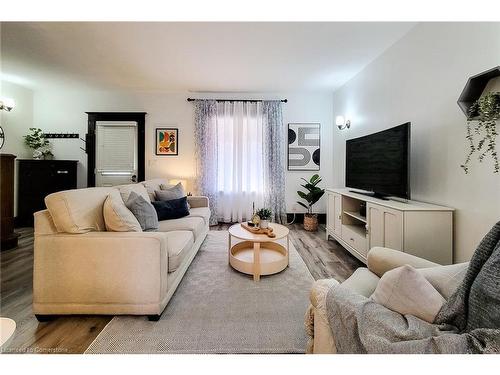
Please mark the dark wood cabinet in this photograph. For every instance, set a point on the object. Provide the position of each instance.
(36, 180)
(7, 235)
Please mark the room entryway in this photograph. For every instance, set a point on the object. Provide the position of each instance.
(115, 148)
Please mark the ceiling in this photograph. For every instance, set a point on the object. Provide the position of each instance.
(162, 56)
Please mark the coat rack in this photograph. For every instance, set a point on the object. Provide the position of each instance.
(61, 135)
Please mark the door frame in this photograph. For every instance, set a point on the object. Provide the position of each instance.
(90, 140)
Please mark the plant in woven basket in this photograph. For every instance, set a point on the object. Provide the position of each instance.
(314, 193)
(481, 131)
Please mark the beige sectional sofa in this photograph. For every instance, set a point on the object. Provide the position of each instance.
(80, 268)
(364, 282)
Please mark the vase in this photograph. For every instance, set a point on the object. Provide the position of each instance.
(264, 224)
(311, 222)
(37, 155)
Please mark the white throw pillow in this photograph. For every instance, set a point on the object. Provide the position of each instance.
(117, 216)
(139, 189)
(405, 291)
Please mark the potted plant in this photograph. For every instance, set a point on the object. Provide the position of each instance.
(265, 216)
(37, 142)
(485, 112)
(314, 193)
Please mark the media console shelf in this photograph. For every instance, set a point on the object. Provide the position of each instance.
(417, 228)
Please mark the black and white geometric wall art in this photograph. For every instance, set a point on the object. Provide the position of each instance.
(303, 146)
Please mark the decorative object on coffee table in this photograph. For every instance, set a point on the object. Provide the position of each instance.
(256, 230)
(258, 254)
(167, 141)
(265, 217)
(314, 193)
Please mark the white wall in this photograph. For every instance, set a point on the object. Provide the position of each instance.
(64, 111)
(419, 79)
(16, 124)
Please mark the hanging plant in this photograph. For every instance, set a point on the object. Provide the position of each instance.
(482, 131)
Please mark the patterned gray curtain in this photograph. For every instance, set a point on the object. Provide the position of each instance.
(205, 137)
(274, 159)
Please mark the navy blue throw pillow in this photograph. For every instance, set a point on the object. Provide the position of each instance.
(172, 209)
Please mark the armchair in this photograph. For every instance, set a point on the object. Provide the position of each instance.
(364, 282)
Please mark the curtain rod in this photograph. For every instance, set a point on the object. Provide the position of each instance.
(234, 100)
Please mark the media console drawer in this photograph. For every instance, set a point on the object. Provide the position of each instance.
(355, 236)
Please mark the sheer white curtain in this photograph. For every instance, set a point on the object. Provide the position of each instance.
(240, 158)
(240, 178)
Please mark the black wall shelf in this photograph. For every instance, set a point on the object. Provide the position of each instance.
(474, 88)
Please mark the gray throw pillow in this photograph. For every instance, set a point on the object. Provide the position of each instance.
(143, 211)
(168, 193)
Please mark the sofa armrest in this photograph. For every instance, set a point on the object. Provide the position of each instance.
(319, 291)
(382, 259)
(197, 201)
(100, 268)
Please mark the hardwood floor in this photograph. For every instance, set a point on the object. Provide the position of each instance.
(74, 334)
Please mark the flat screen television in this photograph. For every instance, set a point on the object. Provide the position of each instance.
(380, 163)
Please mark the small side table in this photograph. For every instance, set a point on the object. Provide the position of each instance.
(258, 254)
(7, 329)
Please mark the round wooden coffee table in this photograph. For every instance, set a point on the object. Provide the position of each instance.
(258, 254)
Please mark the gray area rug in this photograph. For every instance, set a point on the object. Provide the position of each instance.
(216, 309)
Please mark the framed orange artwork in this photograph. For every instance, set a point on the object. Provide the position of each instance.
(167, 142)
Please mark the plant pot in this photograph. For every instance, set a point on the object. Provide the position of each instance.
(311, 222)
(264, 224)
(37, 155)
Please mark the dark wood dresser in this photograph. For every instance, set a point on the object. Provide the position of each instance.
(7, 236)
(36, 180)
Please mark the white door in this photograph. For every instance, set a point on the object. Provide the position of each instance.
(116, 153)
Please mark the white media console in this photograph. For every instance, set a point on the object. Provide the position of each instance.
(417, 228)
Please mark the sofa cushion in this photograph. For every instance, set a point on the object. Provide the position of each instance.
(179, 243)
(79, 210)
(193, 224)
(139, 189)
(203, 212)
(143, 211)
(406, 291)
(171, 209)
(117, 217)
(169, 192)
(153, 185)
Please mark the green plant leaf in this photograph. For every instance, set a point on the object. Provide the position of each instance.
(303, 205)
(314, 178)
(302, 195)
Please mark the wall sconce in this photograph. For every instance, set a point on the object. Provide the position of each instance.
(7, 104)
(342, 123)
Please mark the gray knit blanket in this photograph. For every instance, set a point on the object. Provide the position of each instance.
(469, 321)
